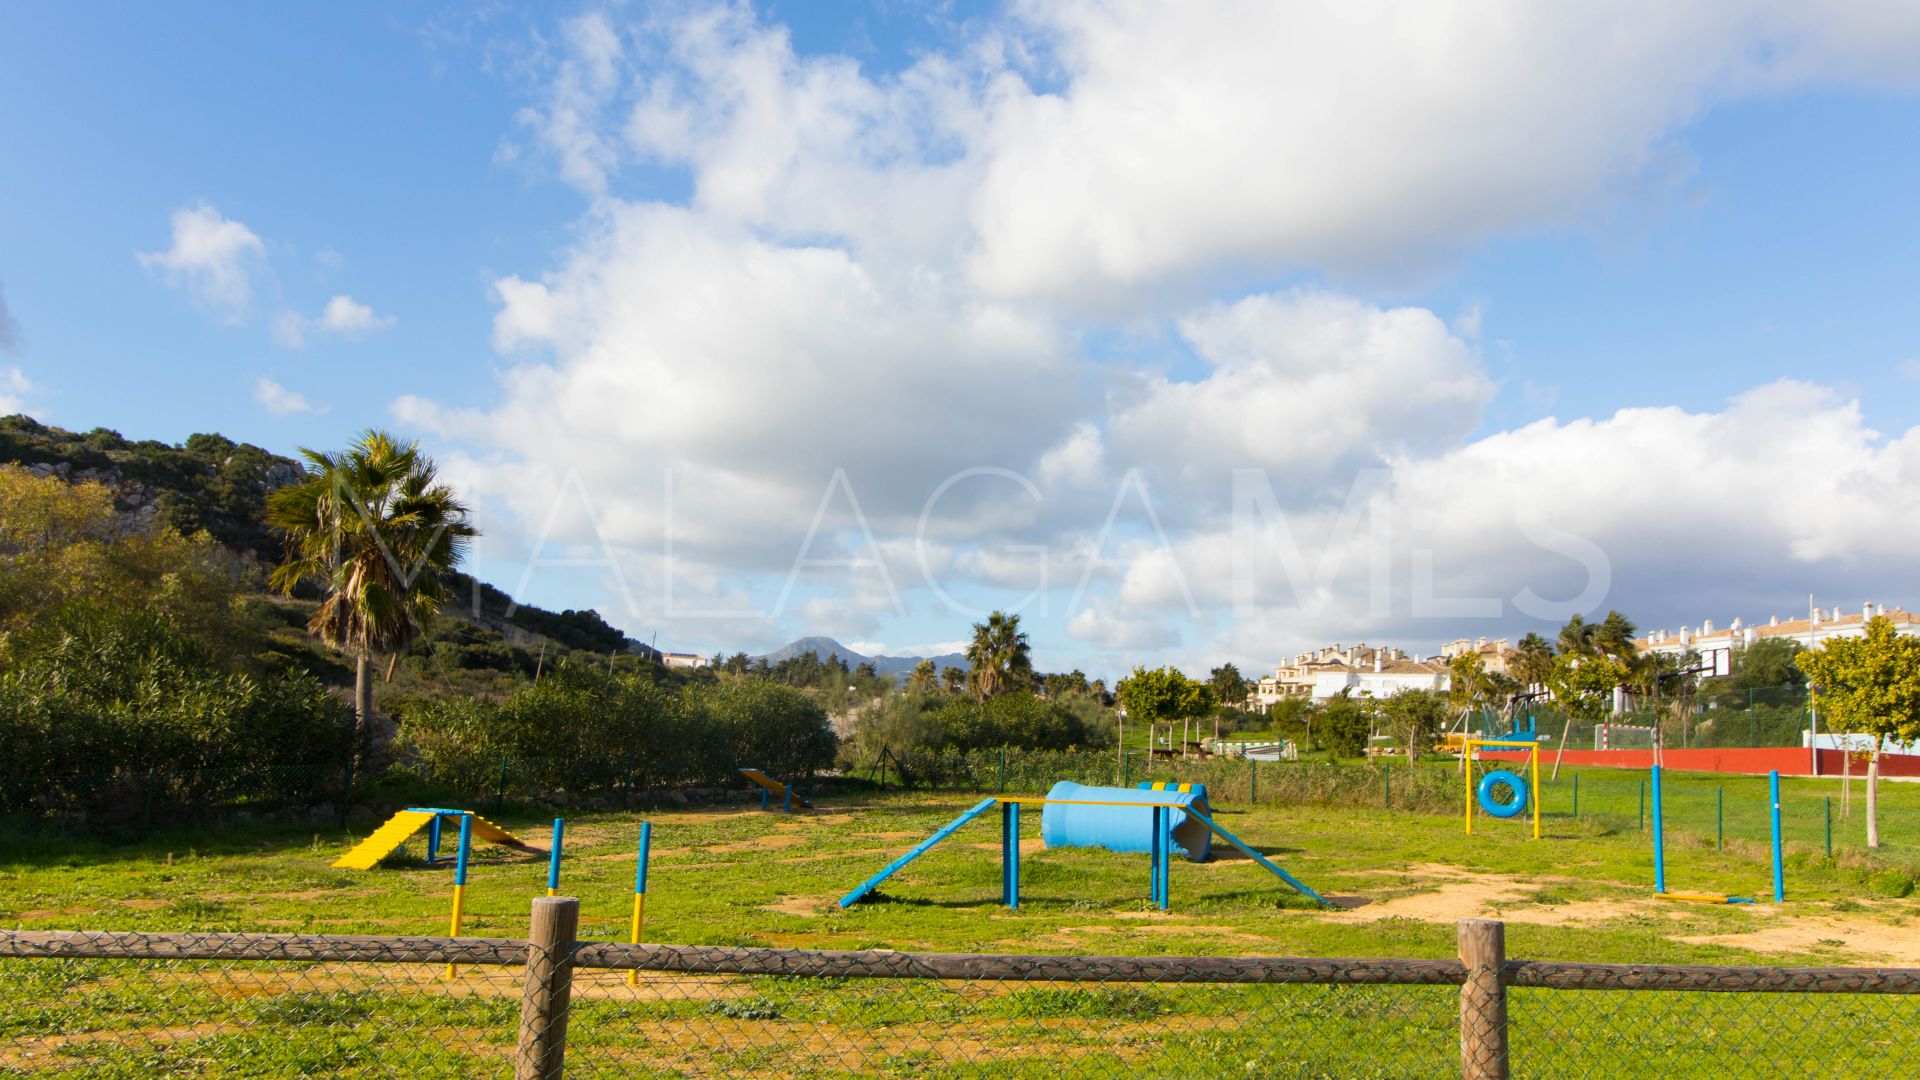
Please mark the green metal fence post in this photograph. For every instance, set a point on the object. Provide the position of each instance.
(1719, 817)
(1576, 796)
(146, 804)
(1643, 806)
(1003, 768)
(1386, 784)
(1253, 780)
(1828, 800)
(346, 793)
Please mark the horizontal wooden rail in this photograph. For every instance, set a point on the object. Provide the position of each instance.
(1710, 978)
(883, 964)
(330, 948)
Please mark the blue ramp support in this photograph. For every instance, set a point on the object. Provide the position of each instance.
(1298, 886)
(919, 849)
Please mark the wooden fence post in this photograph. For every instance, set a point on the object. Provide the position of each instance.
(1483, 1000)
(543, 999)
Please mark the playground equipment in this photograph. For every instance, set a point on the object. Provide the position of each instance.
(768, 785)
(1660, 851)
(640, 891)
(400, 828)
(1126, 819)
(1076, 815)
(553, 857)
(460, 879)
(1487, 794)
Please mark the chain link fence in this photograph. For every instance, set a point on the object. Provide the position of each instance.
(126, 1005)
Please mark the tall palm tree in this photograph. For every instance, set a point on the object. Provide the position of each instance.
(952, 679)
(1614, 637)
(1001, 658)
(1576, 638)
(372, 526)
(1533, 660)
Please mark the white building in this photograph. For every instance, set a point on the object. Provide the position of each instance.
(1360, 670)
(1716, 644)
(684, 660)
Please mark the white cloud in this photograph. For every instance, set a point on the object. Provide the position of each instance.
(9, 329)
(212, 258)
(14, 388)
(281, 401)
(907, 276)
(343, 317)
(1306, 384)
(1183, 139)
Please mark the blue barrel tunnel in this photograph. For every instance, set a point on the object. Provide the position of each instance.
(1121, 819)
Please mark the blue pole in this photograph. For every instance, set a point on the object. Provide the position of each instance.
(788, 788)
(640, 892)
(763, 798)
(1659, 841)
(433, 840)
(1010, 854)
(1161, 869)
(1779, 865)
(553, 857)
(460, 880)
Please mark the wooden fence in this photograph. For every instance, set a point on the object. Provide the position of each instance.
(551, 954)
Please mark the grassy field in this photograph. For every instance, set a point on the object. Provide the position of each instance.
(735, 876)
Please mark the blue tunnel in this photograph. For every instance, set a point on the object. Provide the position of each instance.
(1124, 821)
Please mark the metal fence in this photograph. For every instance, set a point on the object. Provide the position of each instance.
(108, 1004)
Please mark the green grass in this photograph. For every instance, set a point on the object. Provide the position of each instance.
(739, 877)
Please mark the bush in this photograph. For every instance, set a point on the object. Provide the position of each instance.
(102, 692)
(1344, 726)
(580, 728)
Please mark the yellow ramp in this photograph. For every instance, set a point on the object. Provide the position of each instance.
(494, 834)
(384, 840)
(772, 785)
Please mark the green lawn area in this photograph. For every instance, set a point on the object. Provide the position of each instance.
(736, 876)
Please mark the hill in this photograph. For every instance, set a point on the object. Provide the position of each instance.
(214, 484)
(827, 648)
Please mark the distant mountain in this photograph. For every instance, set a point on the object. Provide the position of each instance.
(826, 649)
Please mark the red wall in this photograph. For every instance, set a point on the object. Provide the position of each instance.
(1790, 761)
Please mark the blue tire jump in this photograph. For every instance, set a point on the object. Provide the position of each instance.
(1491, 803)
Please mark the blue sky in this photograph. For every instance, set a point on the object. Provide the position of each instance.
(1734, 223)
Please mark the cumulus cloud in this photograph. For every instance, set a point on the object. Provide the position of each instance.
(212, 258)
(952, 319)
(14, 388)
(342, 317)
(1182, 139)
(281, 401)
(9, 329)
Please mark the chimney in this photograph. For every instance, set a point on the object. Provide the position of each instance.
(1814, 616)
(1879, 609)
(1376, 659)
(1686, 634)
(1736, 623)
(1748, 637)
(1773, 620)
(1705, 629)
(1866, 612)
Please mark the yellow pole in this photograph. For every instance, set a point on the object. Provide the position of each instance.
(460, 879)
(1536, 791)
(1466, 770)
(639, 916)
(640, 892)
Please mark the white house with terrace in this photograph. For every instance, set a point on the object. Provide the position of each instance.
(1716, 644)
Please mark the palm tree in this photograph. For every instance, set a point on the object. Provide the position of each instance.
(372, 526)
(1576, 638)
(923, 677)
(1001, 658)
(1533, 660)
(1614, 637)
(952, 679)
